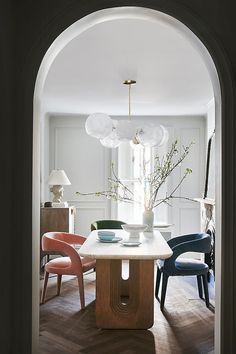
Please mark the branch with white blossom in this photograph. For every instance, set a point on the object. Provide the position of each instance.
(152, 182)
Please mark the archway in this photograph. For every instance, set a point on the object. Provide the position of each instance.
(65, 37)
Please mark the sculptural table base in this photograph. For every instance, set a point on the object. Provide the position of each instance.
(123, 303)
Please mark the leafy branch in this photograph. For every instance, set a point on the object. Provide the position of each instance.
(151, 182)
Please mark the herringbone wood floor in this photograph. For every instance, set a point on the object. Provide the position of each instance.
(186, 326)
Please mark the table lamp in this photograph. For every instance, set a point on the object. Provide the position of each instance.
(57, 180)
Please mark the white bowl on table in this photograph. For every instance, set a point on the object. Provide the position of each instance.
(134, 230)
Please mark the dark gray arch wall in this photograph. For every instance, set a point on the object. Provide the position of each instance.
(28, 30)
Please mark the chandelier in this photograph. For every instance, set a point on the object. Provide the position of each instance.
(112, 133)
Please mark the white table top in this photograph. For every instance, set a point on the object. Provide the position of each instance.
(153, 246)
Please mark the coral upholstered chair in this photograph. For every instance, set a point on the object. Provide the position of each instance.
(71, 264)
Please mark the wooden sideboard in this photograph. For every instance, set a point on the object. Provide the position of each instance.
(55, 219)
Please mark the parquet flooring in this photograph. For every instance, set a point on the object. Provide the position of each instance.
(186, 326)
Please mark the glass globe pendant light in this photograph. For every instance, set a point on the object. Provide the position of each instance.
(152, 135)
(98, 125)
(112, 140)
(112, 133)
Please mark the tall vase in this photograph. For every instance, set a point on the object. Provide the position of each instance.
(148, 218)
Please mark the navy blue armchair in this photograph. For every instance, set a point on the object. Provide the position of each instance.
(174, 266)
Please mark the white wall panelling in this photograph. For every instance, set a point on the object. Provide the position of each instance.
(82, 157)
(87, 164)
(194, 183)
(86, 213)
(189, 221)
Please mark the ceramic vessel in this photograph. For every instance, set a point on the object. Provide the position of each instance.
(106, 235)
(134, 230)
(148, 219)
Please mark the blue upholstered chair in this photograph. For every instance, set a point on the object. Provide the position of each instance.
(106, 224)
(174, 266)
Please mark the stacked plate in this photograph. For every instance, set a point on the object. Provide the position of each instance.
(131, 243)
(108, 236)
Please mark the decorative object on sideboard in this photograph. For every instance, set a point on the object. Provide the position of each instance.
(57, 180)
(112, 132)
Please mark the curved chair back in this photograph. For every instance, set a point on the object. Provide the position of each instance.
(199, 242)
(64, 243)
(107, 224)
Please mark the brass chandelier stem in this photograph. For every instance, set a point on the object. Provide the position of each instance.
(129, 102)
(129, 82)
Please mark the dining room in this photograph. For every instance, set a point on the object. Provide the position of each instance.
(165, 94)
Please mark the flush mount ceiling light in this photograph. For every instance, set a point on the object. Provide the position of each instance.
(112, 132)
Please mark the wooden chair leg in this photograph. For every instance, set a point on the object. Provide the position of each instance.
(199, 284)
(81, 290)
(158, 280)
(59, 276)
(205, 286)
(163, 291)
(46, 274)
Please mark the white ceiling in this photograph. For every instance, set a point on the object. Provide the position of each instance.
(87, 74)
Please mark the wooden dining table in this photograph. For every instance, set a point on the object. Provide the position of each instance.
(125, 303)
